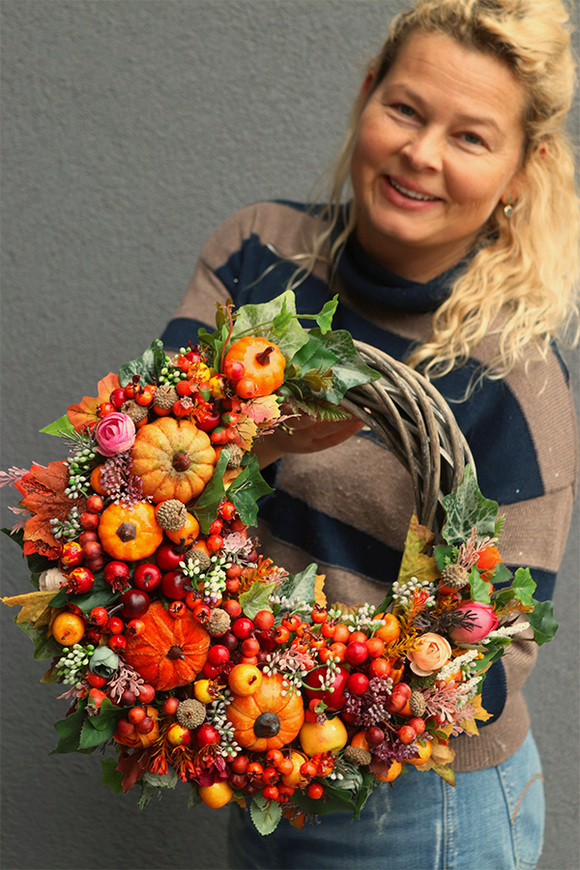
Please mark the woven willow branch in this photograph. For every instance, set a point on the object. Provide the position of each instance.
(415, 422)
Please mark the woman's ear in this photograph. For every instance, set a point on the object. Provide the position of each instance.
(367, 85)
(515, 187)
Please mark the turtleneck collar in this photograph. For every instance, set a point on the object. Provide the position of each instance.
(377, 285)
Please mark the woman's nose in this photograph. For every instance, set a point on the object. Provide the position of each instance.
(424, 150)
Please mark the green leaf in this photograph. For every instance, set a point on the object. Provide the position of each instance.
(479, 588)
(467, 508)
(265, 814)
(61, 427)
(206, 507)
(69, 731)
(324, 319)
(96, 730)
(271, 320)
(246, 489)
(444, 555)
(524, 586)
(256, 598)
(111, 776)
(148, 366)
(543, 622)
(501, 574)
(336, 800)
(101, 595)
(349, 370)
(300, 587)
(44, 647)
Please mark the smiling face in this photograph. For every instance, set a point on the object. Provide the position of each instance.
(439, 144)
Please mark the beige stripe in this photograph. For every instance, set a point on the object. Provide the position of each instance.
(535, 531)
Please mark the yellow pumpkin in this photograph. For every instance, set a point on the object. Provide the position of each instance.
(173, 459)
(267, 719)
(130, 533)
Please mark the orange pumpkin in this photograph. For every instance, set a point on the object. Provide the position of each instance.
(173, 459)
(263, 366)
(266, 719)
(130, 533)
(170, 651)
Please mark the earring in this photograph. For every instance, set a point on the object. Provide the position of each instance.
(508, 208)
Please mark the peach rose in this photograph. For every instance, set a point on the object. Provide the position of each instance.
(431, 654)
(115, 434)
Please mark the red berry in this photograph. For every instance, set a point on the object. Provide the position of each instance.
(136, 715)
(124, 727)
(168, 556)
(375, 735)
(218, 654)
(117, 642)
(242, 627)
(114, 625)
(72, 554)
(80, 580)
(118, 397)
(270, 793)
(96, 680)
(146, 576)
(232, 607)
(214, 543)
(146, 693)
(89, 521)
(95, 504)
(227, 510)
(170, 706)
(117, 574)
(357, 683)
(216, 527)
(146, 725)
(406, 734)
(240, 763)
(105, 408)
(418, 724)
(135, 603)
(99, 615)
(177, 609)
(174, 583)
(202, 613)
(207, 735)
(315, 790)
(264, 620)
(356, 652)
(135, 627)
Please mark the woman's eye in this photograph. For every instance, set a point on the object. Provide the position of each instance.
(472, 139)
(404, 109)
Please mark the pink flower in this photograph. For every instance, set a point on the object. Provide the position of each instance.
(482, 621)
(115, 434)
(431, 654)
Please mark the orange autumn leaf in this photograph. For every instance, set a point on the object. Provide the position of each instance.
(44, 496)
(84, 414)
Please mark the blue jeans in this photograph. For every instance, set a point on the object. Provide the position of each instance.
(492, 820)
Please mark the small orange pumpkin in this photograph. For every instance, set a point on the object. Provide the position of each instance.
(130, 533)
(170, 651)
(263, 366)
(267, 719)
(173, 459)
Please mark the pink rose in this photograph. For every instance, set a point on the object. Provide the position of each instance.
(431, 654)
(115, 434)
(483, 620)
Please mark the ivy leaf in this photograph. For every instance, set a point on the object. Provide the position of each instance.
(111, 776)
(148, 366)
(415, 562)
(45, 646)
(61, 427)
(69, 732)
(349, 370)
(466, 509)
(542, 621)
(101, 595)
(265, 814)
(300, 587)
(99, 728)
(275, 319)
(524, 587)
(479, 588)
(245, 491)
(324, 319)
(256, 598)
(84, 414)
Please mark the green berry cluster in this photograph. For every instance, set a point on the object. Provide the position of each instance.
(73, 662)
(68, 529)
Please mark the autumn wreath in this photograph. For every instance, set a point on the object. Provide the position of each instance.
(191, 655)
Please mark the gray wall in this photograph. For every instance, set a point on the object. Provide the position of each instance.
(130, 130)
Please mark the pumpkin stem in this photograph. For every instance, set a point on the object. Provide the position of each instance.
(263, 357)
(267, 725)
(181, 461)
(175, 652)
(127, 532)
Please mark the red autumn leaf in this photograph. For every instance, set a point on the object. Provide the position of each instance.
(44, 496)
(133, 766)
(84, 414)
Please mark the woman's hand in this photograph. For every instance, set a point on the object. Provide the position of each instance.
(304, 435)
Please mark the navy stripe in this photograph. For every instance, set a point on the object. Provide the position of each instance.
(328, 539)
(180, 331)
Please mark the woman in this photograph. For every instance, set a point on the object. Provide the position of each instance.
(456, 252)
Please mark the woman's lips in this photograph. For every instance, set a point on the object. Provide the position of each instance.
(408, 198)
(411, 191)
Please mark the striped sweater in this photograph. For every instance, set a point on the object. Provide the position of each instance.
(348, 508)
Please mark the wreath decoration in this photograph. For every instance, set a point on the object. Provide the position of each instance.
(186, 653)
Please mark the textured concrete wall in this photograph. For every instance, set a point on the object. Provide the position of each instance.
(130, 130)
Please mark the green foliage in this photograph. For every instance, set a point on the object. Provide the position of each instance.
(265, 814)
(479, 588)
(44, 647)
(467, 508)
(543, 623)
(101, 595)
(257, 598)
(61, 427)
(80, 732)
(244, 492)
(111, 776)
(148, 366)
(298, 588)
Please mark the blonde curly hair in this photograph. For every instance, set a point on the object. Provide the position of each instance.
(525, 266)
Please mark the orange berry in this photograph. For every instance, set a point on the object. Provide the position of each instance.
(391, 630)
(188, 532)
